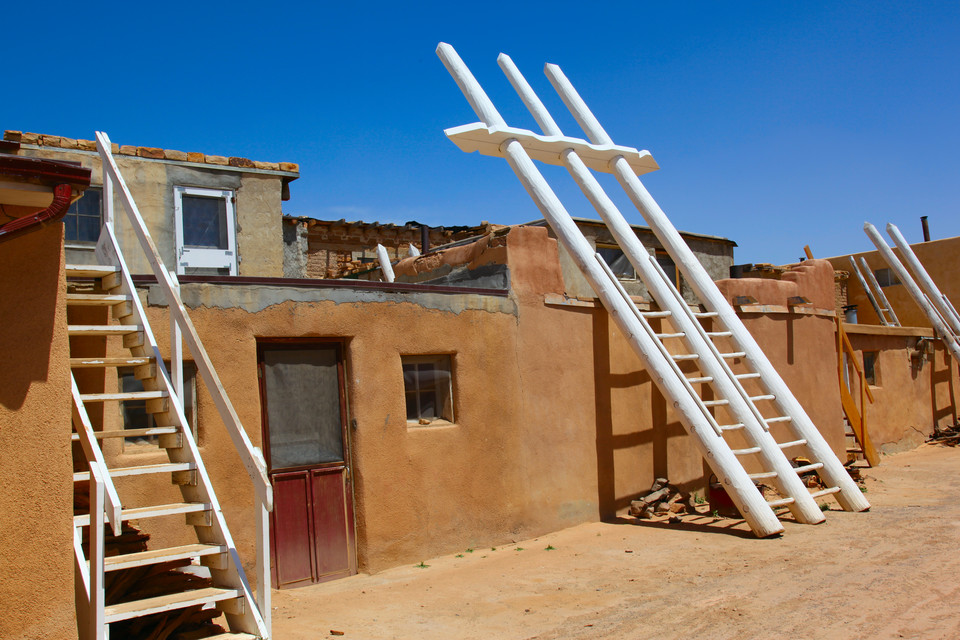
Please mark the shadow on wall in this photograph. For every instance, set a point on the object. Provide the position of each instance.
(31, 268)
(650, 432)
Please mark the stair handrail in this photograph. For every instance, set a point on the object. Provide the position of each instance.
(251, 457)
(844, 347)
(94, 456)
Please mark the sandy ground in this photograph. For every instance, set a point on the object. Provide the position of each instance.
(893, 572)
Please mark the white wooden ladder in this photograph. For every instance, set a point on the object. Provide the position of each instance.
(130, 342)
(711, 351)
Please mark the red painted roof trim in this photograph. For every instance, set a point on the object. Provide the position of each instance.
(53, 213)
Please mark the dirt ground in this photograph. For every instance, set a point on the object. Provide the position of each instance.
(893, 572)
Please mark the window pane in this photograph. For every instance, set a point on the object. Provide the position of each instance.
(204, 222)
(427, 388)
(82, 221)
(617, 262)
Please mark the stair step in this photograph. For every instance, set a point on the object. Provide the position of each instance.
(825, 492)
(734, 354)
(81, 363)
(780, 503)
(120, 472)
(102, 329)
(745, 452)
(792, 443)
(123, 395)
(731, 427)
(155, 511)
(715, 403)
(159, 604)
(232, 636)
(809, 467)
(156, 556)
(89, 270)
(767, 396)
(96, 299)
(763, 475)
(131, 433)
(747, 376)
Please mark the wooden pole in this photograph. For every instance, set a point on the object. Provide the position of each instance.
(850, 497)
(97, 619)
(947, 312)
(866, 289)
(878, 291)
(739, 485)
(385, 267)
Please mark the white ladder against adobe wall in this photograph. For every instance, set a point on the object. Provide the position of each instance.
(110, 286)
(493, 137)
(937, 307)
(873, 290)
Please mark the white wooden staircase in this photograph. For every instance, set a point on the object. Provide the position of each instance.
(107, 293)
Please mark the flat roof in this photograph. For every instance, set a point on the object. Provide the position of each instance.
(600, 223)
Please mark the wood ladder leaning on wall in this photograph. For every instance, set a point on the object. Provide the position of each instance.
(110, 285)
(692, 362)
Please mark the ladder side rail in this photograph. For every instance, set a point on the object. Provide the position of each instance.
(923, 278)
(94, 455)
(855, 415)
(97, 627)
(740, 487)
(252, 461)
(913, 289)
(81, 585)
(869, 292)
(878, 291)
(850, 497)
(176, 346)
(250, 620)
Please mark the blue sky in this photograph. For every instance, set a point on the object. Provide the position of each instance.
(776, 124)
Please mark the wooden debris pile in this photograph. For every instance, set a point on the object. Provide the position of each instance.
(664, 500)
(949, 436)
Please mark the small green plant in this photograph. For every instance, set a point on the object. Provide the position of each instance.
(716, 514)
(459, 555)
(550, 547)
(469, 550)
(863, 489)
(493, 548)
(422, 565)
(519, 549)
(700, 500)
(824, 507)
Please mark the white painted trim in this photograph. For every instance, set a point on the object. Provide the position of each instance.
(188, 257)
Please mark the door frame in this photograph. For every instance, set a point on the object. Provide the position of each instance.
(351, 518)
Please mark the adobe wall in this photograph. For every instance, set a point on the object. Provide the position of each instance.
(941, 259)
(36, 506)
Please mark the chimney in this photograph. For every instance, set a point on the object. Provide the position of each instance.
(926, 228)
(424, 238)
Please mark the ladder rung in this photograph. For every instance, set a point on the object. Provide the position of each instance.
(160, 604)
(731, 427)
(88, 270)
(127, 395)
(780, 503)
(155, 511)
(761, 476)
(156, 556)
(747, 376)
(78, 363)
(705, 314)
(656, 314)
(119, 472)
(809, 467)
(768, 396)
(686, 356)
(778, 419)
(131, 433)
(735, 354)
(669, 335)
(825, 492)
(745, 452)
(793, 443)
(700, 379)
(719, 334)
(715, 403)
(102, 330)
(92, 299)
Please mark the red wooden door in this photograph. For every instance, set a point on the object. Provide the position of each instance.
(304, 425)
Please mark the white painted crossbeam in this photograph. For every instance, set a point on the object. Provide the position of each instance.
(159, 604)
(489, 141)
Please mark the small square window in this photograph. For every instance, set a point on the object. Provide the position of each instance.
(669, 266)
(82, 220)
(618, 262)
(886, 277)
(870, 368)
(428, 388)
(134, 412)
(205, 231)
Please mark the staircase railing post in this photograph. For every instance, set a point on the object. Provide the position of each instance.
(263, 564)
(176, 347)
(96, 620)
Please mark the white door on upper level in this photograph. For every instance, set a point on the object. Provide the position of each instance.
(205, 231)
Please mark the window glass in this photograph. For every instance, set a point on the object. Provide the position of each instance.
(669, 267)
(134, 412)
(870, 367)
(618, 263)
(82, 221)
(886, 277)
(428, 388)
(204, 222)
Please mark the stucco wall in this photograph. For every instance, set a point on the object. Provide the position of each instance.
(258, 215)
(36, 506)
(941, 259)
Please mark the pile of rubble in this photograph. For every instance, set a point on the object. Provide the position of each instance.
(949, 436)
(663, 500)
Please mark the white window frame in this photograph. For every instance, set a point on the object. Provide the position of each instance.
(200, 257)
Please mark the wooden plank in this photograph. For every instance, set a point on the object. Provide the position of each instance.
(102, 330)
(133, 433)
(156, 556)
(154, 511)
(121, 472)
(86, 363)
(95, 299)
(124, 395)
(159, 604)
(88, 270)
